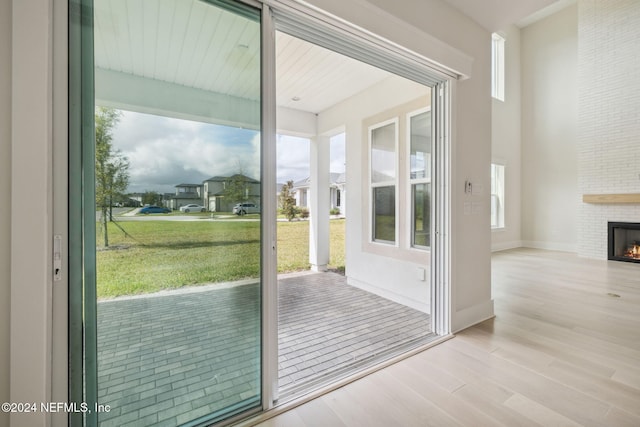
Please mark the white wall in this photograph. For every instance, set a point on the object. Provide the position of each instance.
(5, 207)
(31, 243)
(609, 116)
(549, 131)
(378, 268)
(506, 143)
(471, 130)
(471, 234)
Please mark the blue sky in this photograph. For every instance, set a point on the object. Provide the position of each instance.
(164, 152)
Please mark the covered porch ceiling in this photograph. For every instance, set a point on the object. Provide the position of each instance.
(178, 63)
(188, 59)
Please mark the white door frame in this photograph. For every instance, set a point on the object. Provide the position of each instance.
(298, 14)
(269, 272)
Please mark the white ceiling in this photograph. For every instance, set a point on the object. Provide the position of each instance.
(496, 15)
(172, 42)
(193, 44)
(318, 78)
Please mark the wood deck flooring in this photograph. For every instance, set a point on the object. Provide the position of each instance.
(563, 350)
(168, 358)
(327, 328)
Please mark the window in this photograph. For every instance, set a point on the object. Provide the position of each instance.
(497, 66)
(420, 178)
(383, 141)
(497, 196)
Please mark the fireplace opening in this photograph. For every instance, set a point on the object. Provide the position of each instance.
(624, 241)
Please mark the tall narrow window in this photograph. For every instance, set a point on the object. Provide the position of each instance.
(497, 66)
(497, 196)
(420, 178)
(383, 181)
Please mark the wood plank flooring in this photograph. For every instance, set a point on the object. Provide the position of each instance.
(563, 350)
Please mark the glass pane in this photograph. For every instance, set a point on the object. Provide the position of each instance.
(421, 146)
(494, 186)
(422, 215)
(384, 214)
(383, 153)
(497, 195)
(178, 199)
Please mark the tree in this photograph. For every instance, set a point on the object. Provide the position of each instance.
(112, 167)
(288, 202)
(151, 198)
(236, 189)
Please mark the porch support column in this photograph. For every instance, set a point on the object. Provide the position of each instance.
(319, 204)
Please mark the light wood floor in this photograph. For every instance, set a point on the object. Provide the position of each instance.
(561, 351)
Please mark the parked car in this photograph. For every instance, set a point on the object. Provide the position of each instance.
(245, 208)
(192, 208)
(154, 209)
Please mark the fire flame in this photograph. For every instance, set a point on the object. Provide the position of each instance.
(633, 251)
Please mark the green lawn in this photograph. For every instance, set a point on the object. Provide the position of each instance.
(293, 245)
(158, 255)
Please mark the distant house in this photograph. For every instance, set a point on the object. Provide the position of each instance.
(184, 195)
(216, 192)
(300, 192)
(337, 183)
(130, 201)
(337, 189)
(166, 199)
(135, 199)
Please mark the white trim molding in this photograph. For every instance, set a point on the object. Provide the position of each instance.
(504, 246)
(269, 272)
(550, 246)
(472, 316)
(382, 30)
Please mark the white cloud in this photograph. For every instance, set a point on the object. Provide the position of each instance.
(164, 152)
(292, 158)
(337, 154)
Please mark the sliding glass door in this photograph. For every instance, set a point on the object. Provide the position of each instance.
(169, 155)
(173, 298)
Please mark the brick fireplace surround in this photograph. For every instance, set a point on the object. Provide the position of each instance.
(608, 138)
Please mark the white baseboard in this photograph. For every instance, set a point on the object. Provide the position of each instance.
(470, 316)
(400, 299)
(504, 246)
(550, 246)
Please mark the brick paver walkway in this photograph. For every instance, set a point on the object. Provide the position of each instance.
(326, 327)
(167, 359)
